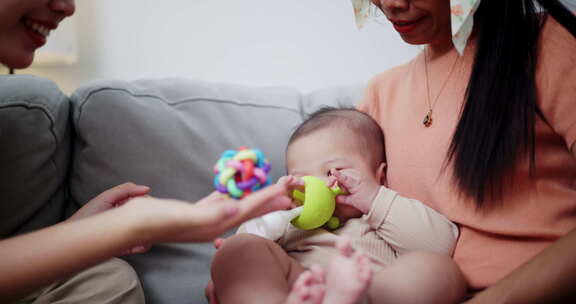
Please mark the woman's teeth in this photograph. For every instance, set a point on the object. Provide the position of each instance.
(38, 28)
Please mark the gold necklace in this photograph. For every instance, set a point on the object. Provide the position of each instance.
(428, 118)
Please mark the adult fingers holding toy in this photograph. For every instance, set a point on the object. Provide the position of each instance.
(292, 182)
(174, 221)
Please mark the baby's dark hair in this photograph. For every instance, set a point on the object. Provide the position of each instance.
(365, 127)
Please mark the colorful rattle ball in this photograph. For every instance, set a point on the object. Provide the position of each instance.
(241, 172)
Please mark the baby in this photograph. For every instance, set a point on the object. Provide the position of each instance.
(390, 249)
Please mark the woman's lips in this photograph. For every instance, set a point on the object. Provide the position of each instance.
(38, 31)
(405, 26)
(38, 39)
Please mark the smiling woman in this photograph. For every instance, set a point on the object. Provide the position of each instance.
(27, 27)
(424, 22)
(38, 31)
(73, 261)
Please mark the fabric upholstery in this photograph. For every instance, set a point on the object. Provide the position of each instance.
(34, 153)
(57, 153)
(168, 134)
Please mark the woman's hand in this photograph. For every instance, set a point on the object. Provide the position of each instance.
(546, 278)
(292, 182)
(110, 199)
(162, 220)
(38, 258)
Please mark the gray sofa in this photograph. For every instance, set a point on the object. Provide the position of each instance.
(57, 152)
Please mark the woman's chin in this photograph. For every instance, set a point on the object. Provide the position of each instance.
(410, 39)
(18, 62)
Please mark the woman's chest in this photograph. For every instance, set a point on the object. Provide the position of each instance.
(417, 155)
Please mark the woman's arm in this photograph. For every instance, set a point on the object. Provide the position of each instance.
(33, 260)
(30, 261)
(550, 277)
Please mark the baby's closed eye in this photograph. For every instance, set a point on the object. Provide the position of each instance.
(330, 172)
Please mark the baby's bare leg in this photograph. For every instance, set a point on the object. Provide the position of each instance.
(251, 269)
(345, 281)
(419, 277)
(309, 288)
(348, 276)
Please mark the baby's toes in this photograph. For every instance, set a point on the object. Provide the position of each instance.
(344, 246)
(303, 281)
(316, 294)
(318, 275)
(364, 269)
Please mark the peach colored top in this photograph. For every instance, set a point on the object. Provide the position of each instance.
(535, 211)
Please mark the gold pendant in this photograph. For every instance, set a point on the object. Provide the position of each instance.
(428, 119)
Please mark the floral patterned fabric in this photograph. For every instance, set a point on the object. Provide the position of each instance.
(461, 14)
(362, 12)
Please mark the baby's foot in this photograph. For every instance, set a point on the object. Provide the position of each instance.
(348, 275)
(308, 288)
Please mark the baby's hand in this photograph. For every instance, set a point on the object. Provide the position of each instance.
(360, 192)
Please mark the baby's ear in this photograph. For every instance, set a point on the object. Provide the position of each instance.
(381, 174)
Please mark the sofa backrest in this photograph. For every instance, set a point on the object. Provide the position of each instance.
(163, 133)
(168, 134)
(34, 153)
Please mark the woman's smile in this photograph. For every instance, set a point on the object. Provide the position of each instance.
(38, 31)
(405, 26)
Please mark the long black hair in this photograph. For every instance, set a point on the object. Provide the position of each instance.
(496, 127)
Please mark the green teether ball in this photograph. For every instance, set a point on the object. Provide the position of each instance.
(319, 204)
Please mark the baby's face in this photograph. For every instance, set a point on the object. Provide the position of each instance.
(331, 148)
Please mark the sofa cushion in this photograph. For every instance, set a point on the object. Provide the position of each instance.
(168, 134)
(34, 154)
(337, 96)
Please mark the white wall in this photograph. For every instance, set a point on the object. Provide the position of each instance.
(304, 43)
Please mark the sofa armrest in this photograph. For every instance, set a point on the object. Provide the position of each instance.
(34, 154)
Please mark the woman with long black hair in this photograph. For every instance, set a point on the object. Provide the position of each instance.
(482, 127)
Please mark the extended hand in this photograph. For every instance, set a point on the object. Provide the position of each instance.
(162, 220)
(292, 182)
(110, 199)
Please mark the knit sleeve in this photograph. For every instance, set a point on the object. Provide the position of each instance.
(407, 224)
(556, 80)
